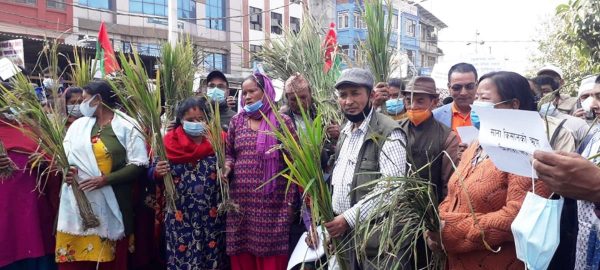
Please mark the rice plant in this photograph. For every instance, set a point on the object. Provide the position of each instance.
(142, 101)
(6, 172)
(304, 53)
(302, 156)
(177, 69)
(376, 47)
(83, 69)
(46, 126)
(217, 140)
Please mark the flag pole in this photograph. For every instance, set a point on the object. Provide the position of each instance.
(172, 15)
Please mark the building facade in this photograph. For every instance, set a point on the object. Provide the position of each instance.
(414, 30)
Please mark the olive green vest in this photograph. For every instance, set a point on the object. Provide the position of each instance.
(367, 162)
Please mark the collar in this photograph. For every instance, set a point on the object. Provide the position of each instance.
(455, 111)
(362, 128)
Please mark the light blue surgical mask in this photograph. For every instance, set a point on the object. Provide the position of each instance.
(216, 94)
(194, 129)
(481, 105)
(394, 106)
(253, 107)
(548, 109)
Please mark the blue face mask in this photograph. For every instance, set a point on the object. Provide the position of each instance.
(194, 129)
(253, 107)
(548, 109)
(394, 106)
(216, 94)
(479, 104)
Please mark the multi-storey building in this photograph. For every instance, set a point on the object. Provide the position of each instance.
(414, 30)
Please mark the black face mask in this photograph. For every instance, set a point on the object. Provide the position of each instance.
(361, 116)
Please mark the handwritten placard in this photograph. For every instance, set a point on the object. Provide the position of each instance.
(510, 137)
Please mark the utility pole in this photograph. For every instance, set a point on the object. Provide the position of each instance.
(172, 17)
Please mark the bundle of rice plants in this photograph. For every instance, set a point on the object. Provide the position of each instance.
(218, 144)
(376, 47)
(177, 69)
(142, 101)
(304, 53)
(46, 126)
(82, 69)
(6, 172)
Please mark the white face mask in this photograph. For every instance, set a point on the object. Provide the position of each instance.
(86, 109)
(74, 111)
(586, 105)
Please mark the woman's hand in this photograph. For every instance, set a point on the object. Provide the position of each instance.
(434, 242)
(225, 172)
(93, 183)
(162, 168)
(70, 177)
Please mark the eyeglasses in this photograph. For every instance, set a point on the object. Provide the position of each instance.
(457, 87)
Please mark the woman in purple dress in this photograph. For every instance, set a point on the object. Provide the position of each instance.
(257, 234)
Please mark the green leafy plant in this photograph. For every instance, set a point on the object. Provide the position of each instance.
(177, 68)
(376, 47)
(82, 69)
(142, 101)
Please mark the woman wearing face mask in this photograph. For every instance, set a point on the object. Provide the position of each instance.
(483, 239)
(195, 233)
(257, 235)
(73, 97)
(107, 153)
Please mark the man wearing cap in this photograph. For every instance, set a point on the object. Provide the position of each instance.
(428, 139)
(564, 103)
(362, 155)
(217, 90)
(584, 101)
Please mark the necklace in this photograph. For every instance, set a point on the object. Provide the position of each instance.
(96, 137)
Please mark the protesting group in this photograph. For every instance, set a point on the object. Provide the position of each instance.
(477, 201)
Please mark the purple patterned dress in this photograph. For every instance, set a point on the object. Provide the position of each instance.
(261, 228)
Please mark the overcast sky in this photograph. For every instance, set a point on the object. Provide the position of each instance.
(504, 25)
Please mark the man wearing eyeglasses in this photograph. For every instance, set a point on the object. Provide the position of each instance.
(217, 90)
(462, 84)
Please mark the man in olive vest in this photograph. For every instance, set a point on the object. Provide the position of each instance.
(361, 158)
(428, 139)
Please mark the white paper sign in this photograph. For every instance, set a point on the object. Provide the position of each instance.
(13, 50)
(303, 253)
(467, 134)
(8, 69)
(510, 137)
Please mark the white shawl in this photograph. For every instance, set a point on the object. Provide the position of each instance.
(78, 148)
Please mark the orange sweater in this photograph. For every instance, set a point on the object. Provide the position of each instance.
(496, 198)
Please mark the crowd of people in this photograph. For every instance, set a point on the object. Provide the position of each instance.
(478, 202)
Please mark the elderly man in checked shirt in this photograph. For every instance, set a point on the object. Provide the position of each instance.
(359, 152)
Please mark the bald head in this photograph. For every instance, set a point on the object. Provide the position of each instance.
(298, 93)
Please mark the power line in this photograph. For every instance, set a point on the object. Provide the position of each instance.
(124, 13)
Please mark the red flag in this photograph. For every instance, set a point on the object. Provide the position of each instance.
(330, 46)
(105, 53)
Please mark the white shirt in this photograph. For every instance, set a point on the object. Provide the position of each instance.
(392, 162)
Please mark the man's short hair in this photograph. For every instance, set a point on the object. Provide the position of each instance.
(546, 80)
(598, 79)
(297, 81)
(398, 83)
(462, 68)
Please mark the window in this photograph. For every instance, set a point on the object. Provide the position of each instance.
(104, 4)
(276, 23)
(359, 21)
(253, 50)
(422, 60)
(215, 9)
(256, 19)
(346, 50)
(31, 2)
(149, 49)
(342, 20)
(127, 47)
(185, 8)
(55, 4)
(431, 61)
(294, 24)
(411, 56)
(216, 61)
(411, 28)
(395, 22)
